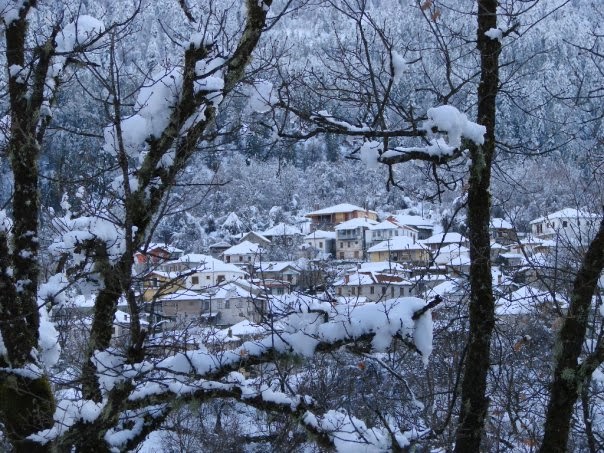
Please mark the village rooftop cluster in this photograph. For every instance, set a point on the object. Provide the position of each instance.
(342, 254)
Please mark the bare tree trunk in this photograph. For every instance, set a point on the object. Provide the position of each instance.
(26, 403)
(569, 376)
(474, 402)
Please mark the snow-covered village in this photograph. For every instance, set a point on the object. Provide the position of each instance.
(302, 226)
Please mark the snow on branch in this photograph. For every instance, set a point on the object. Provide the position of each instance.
(445, 128)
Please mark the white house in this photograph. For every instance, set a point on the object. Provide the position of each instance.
(328, 218)
(282, 234)
(244, 253)
(322, 242)
(388, 229)
(373, 286)
(277, 270)
(569, 224)
(401, 249)
(197, 271)
(424, 227)
(350, 238)
(449, 253)
(438, 241)
(502, 231)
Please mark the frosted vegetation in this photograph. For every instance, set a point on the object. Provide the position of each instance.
(151, 126)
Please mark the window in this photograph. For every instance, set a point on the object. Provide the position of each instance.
(564, 224)
(228, 259)
(341, 245)
(339, 291)
(195, 280)
(349, 245)
(290, 278)
(341, 255)
(220, 278)
(392, 291)
(320, 245)
(206, 305)
(240, 259)
(402, 291)
(371, 290)
(227, 304)
(207, 277)
(383, 290)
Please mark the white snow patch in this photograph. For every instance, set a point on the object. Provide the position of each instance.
(370, 152)
(494, 33)
(81, 33)
(398, 65)
(261, 96)
(455, 124)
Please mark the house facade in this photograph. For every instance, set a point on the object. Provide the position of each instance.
(502, 231)
(350, 238)
(570, 225)
(245, 253)
(329, 218)
(424, 227)
(322, 243)
(372, 286)
(388, 229)
(400, 249)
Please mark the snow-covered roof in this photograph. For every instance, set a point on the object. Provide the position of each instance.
(361, 278)
(282, 229)
(244, 248)
(462, 260)
(184, 294)
(356, 223)
(512, 256)
(413, 220)
(203, 263)
(231, 290)
(501, 224)
(390, 225)
(356, 279)
(454, 255)
(447, 287)
(454, 248)
(193, 259)
(382, 266)
(395, 244)
(220, 244)
(274, 266)
(524, 300)
(163, 246)
(566, 213)
(445, 238)
(343, 207)
(320, 234)
(258, 234)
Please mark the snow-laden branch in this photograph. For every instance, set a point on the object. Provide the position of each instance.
(310, 326)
